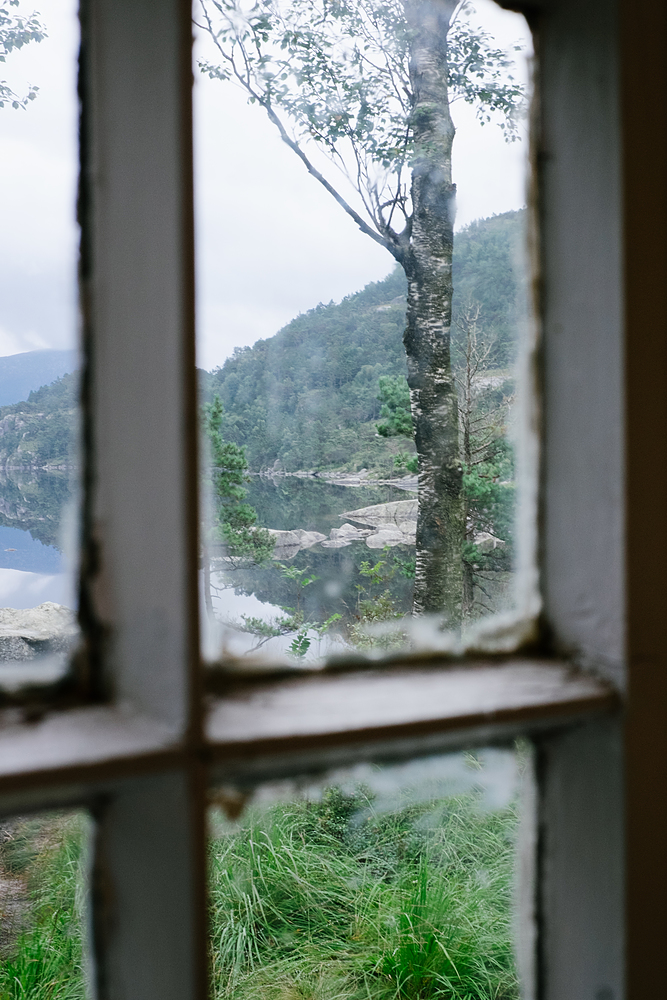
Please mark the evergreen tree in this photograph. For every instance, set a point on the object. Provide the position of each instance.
(394, 394)
(235, 521)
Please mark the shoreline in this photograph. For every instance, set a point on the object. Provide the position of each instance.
(362, 478)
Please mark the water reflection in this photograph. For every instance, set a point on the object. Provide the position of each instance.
(341, 576)
(35, 501)
(37, 587)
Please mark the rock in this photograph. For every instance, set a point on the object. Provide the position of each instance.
(288, 543)
(26, 632)
(13, 648)
(345, 535)
(397, 512)
(487, 542)
(396, 522)
(386, 536)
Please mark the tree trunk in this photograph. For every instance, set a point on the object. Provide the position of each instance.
(466, 424)
(208, 594)
(428, 266)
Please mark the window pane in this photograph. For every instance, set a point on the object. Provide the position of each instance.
(38, 339)
(42, 896)
(379, 882)
(363, 462)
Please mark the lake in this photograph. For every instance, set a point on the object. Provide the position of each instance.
(337, 582)
(34, 511)
(355, 583)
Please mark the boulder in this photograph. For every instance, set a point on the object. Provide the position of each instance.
(288, 543)
(486, 542)
(386, 536)
(395, 522)
(345, 535)
(27, 632)
(397, 513)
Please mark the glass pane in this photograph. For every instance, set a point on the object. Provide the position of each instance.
(378, 882)
(43, 861)
(38, 339)
(363, 455)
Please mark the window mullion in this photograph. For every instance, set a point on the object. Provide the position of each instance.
(148, 889)
(139, 576)
(139, 605)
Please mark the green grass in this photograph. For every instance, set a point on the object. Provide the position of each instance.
(45, 961)
(329, 901)
(326, 900)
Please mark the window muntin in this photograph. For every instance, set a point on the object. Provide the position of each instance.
(569, 755)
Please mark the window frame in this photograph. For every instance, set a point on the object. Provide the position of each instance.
(140, 755)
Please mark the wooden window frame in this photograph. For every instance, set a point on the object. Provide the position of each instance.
(592, 695)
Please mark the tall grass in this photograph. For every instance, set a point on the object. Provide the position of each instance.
(45, 960)
(325, 900)
(329, 901)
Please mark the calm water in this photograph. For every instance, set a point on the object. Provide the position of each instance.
(311, 583)
(33, 515)
(33, 509)
(316, 582)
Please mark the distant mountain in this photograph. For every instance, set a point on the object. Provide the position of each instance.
(306, 398)
(20, 374)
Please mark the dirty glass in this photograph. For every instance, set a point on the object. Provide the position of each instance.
(38, 338)
(43, 865)
(377, 882)
(363, 323)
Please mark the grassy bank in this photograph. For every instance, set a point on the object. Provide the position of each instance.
(41, 861)
(333, 899)
(330, 901)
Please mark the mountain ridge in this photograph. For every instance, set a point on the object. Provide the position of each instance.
(23, 373)
(307, 398)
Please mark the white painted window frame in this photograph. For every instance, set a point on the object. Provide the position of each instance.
(142, 749)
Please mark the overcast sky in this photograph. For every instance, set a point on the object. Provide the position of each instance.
(271, 243)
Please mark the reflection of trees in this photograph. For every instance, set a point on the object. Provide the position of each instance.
(34, 502)
(289, 502)
(337, 576)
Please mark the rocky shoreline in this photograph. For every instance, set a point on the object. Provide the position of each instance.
(29, 632)
(338, 478)
(393, 523)
(379, 526)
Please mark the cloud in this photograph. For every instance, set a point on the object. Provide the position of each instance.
(270, 242)
(17, 343)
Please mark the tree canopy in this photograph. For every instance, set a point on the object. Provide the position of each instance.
(15, 32)
(338, 75)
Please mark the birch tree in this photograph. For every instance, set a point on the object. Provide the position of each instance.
(370, 84)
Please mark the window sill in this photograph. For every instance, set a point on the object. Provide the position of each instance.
(318, 713)
(79, 743)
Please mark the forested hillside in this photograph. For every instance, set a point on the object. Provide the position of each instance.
(307, 398)
(40, 431)
(36, 435)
